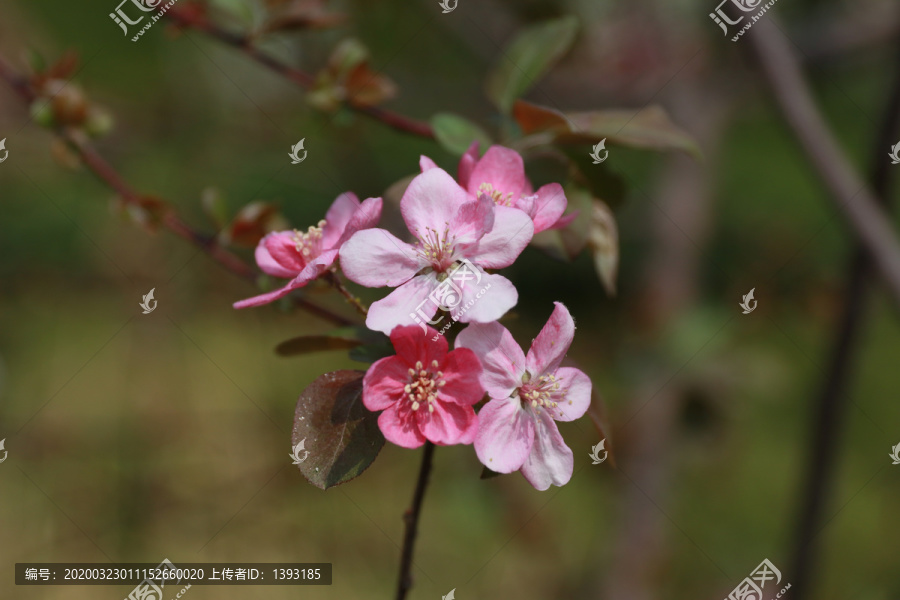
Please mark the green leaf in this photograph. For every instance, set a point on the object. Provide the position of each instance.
(341, 435)
(530, 55)
(603, 239)
(567, 243)
(648, 129)
(456, 133)
(364, 344)
(602, 180)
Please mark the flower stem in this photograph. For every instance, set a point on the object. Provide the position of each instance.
(340, 287)
(411, 519)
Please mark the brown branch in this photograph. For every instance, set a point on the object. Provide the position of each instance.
(170, 220)
(188, 18)
(335, 281)
(833, 397)
(411, 519)
(853, 198)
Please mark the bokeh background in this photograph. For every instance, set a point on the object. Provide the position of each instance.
(138, 437)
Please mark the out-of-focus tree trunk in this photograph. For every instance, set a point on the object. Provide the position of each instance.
(680, 226)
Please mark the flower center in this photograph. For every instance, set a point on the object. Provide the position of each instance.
(539, 392)
(436, 248)
(499, 198)
(423, 386)
(309, 244)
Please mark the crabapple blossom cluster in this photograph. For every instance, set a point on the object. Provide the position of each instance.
(427, 392)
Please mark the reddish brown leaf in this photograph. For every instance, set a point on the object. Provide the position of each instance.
(340, 434)
(533, 118)
(252, 223)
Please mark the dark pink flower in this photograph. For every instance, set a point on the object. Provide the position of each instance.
(517, 428)
(450, 227)
(303, 257)
(500, 174)
(426, 392)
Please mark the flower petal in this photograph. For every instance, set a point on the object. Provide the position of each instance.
(365, 217)
(383, 383)
(431, 201)
(487, 300)
(550, 346)
(505, 435)
(404, 305)
(400, 426)
(281, 263)
(282, 248)
(502, 360)
(411, 346)
(500, 247)
(549, 205)
(462, 376)
(449, 424)
(376, 258)
(551, 462)
(312, 271)
(467, 164)
(426, 163)
(339, 214)
(503, 169)
(574, 395)
(472, 222)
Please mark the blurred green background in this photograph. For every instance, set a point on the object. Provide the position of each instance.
(138, 437)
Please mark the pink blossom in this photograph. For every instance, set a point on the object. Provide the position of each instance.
(449, 226)
(517, 428)
(303, 257)
(426, 392)
(500, 174)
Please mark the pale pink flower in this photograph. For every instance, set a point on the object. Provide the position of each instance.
(449, 226)
(426, 393)
(517, 428)
(500, 174)
(303, 257)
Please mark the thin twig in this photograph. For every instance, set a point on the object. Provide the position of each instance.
(169, 219)
(869, 221)
(411, 519)
(831, 406)
(335, 281)
(188, 18)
